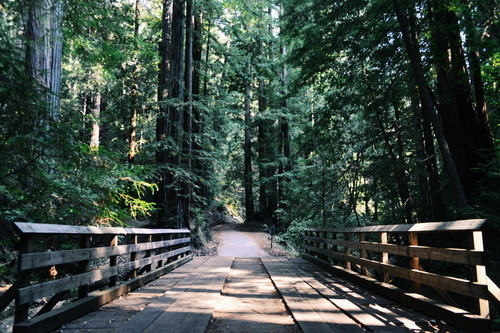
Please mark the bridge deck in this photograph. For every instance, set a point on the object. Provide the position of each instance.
(188, 298)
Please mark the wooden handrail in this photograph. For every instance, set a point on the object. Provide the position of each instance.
(148, 254)
(363, 252)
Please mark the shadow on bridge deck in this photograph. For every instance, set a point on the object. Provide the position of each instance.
(268, 294)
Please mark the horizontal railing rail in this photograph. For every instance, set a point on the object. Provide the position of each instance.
(376, 255)
(98, 265)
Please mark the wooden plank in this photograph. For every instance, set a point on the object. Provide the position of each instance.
(60, 229)
(150, 314)
(460, 256)
(461, 225)
(493, 290)
(36, 260)
(8, 296)
(193, 310)
(459, 317)
(56, 318)
(312, 311)
(302, 311)
(359, 314)
(32, 293)
(461, 286)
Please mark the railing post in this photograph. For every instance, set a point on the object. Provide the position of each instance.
(23, 278)
(113, 260)
(414, 261)
(148, 253)
(384, 255)
(160, 251)
(133, 256)
(84, 265)
(362, 252)
(479, 274)
(347, 250)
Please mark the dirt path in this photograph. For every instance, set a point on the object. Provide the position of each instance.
(237, 244)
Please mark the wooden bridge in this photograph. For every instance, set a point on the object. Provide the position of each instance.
(146, 280)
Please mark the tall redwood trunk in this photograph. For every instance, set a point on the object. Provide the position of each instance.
(132, 141)
(248, 182)
(428, 106)
(44, 53)
(169, 121)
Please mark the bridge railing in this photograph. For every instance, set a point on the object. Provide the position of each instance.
(99, 265)
(420, 259)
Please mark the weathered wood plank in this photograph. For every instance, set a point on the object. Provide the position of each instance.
(304, 314)
(152, 312)
(460, 256)
(56, 318)
(60, 229)
(32, 293)
(36, 260)
(459, 317)
(462, 225)
(312, 312)
(461, 286)
(359, 314)
(192, 311)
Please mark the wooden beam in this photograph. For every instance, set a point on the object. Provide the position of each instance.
(462, 225)
(61, 229)
(55, 318)
(459, 256)
(459, 317)
(36, 260)
(461, 286)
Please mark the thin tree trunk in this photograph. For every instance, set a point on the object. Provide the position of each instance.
(132, 141)
(96, 115)
(249, 204)
(186, 186)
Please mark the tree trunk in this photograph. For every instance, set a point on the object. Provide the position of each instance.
(132, 141)
(428, 107)
(169, 121)
(249, 204)
(464, 125)
(187, 141)
(44, 54)
(96, 115)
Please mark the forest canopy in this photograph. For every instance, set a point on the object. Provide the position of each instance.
(287, 113)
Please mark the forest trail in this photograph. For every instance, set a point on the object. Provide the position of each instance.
(237, 244)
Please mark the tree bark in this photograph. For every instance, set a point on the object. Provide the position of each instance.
(134, 94)
(44, 54)
(428, 107)
(96, 115)
(248, 182)
(169, 122)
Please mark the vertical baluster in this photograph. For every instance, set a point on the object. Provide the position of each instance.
(133, 256)
(414, 261)
(113, 260)
(347, 250)
(384, 255)
(362, 252)
(23, 277)
(148, 252)
(479, 274)
(84, 265)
